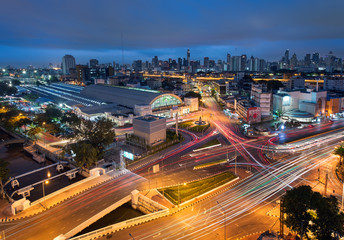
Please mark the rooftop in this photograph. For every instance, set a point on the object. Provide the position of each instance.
(149, 118)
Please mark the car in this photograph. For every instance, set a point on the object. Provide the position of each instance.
(310, 126)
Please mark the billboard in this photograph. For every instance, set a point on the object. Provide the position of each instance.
(253, 115)
(128, 155)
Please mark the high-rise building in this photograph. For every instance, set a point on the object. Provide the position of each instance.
(228, 58)
(206, 62)
(308, 59)
(315, 58)
(293, 62)
(68, 62)
(180, 63)
(137, 65)
(286, 56)
(93, 63)
(83, 73)
(188, 57)
(243, 62)
(155, 62)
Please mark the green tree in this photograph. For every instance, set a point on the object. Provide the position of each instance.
(16, 82)
(4, 171)
(328, 221)
(85, 154)
(52, 112)
(33, 132)
(309, 212)
(339, 151)
(193, 95)
(71, 119)
(5, 89)
(99, 134)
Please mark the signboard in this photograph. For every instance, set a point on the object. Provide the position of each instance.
(128, 155)
(253, 115)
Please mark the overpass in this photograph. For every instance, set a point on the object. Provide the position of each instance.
(12, 141)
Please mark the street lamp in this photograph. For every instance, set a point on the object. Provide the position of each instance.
(44, 182)
(224, 214)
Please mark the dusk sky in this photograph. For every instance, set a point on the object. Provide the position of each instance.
(38, 32)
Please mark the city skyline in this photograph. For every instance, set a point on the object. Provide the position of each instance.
(40, 33)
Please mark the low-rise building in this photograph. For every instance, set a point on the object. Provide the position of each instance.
(248, 111)
(262, 98)
(151, 128)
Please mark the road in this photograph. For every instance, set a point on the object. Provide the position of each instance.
(243, 203)
(73, 212)
(204, 220)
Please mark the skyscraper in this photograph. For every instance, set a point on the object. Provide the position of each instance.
(315, 58)
(94, 63)
(155, 61)
(206, 62)
(286, 56)
(188, 57)
(68, 62)
(228, 58)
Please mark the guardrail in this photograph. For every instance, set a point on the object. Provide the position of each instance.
(62, 190)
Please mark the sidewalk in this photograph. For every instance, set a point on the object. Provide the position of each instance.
(70, 191)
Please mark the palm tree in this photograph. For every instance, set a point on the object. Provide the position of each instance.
(339, 151)
(3, 175)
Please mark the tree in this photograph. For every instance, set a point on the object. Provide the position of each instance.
(16, 82)
(70, 119)
(193, 95)
(99, 134)
(32, 97)
(33, 132)
(85, 154)
(6, 89)
(3, 174)
(328, 221)
(307, 211)
(52, 112)
(339, 151)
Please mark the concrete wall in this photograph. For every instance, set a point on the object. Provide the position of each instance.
(144, 204)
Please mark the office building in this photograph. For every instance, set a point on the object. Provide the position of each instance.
(68, 62)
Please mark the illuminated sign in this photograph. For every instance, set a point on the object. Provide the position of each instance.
(128, 155)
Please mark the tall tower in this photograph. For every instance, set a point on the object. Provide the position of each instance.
(188, 57)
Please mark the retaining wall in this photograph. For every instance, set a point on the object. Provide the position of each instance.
(120, 226)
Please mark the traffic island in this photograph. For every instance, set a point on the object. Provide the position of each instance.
(187, 192)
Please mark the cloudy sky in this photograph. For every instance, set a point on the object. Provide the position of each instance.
(38, 32)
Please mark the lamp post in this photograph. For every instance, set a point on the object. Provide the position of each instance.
(224, 214)
(44, 182)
